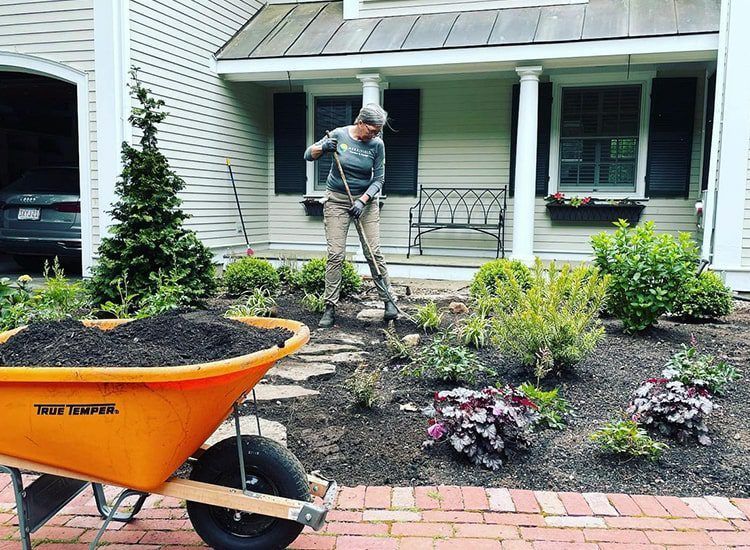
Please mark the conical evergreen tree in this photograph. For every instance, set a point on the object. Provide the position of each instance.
(150, 243)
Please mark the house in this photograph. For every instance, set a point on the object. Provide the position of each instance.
(614, 99)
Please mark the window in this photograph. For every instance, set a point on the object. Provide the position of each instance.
(331, 112)
(599, 139)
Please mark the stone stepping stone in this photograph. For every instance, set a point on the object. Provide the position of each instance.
(328, 336)
(342, 357)
(325, 348)
(299, 371)
(274, 392)
(248, 426)
(371, 315)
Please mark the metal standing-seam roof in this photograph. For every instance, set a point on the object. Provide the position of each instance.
(319, 28)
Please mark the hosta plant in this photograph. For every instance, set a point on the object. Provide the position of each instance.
(428, 316)
(553, 409)
(672, 408)
(701, 370)
(313, 302)
(482, 425)
(475, 331)
(624, 437)
(258, 304)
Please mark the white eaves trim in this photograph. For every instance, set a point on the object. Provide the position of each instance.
(592, 50)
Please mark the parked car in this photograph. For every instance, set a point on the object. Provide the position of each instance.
(41, 217)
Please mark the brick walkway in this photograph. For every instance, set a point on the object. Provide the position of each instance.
(435, 518)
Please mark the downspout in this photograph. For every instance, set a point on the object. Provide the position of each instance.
(707, 248)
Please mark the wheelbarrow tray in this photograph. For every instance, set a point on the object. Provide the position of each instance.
(128, 426)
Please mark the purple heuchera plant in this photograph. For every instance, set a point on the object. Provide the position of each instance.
(481, 424)
(673, 408)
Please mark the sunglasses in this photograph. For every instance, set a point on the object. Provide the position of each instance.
(372, 129)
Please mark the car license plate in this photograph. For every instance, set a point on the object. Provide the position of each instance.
(28, 213)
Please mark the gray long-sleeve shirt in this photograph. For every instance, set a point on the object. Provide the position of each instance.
(363, 163)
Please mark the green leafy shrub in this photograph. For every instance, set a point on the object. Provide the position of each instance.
(59, 298)
(248, 274)
(124, 306)
(312, 277)
(648, 271)
(444, 359)
(497, 273)
(169, 295)
(149, 236)
(482, 425)
(704, 297)
(555, 323)
(363, 386)
(428, 316)
(553, 409)
(700, 370)
(14, 302)
(475, 331)
(314, 302)
(258, 304)
(624, 437)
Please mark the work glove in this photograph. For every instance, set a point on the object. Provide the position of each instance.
(329, 144)
(355, 211)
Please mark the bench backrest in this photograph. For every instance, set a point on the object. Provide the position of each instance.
(460, 206)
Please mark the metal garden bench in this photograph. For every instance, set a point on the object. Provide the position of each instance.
(481, 210)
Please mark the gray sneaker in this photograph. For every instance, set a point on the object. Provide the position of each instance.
(328, 318)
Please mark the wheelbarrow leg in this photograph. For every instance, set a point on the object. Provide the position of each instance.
(105, 511)
(112, 513)
(21, 509)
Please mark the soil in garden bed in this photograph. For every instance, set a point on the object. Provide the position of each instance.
(176, 338)
(383, 445)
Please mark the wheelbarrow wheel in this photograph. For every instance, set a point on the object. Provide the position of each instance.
(270, 469)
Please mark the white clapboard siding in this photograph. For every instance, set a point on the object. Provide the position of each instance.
(61, 31)
(465, 142)
(209, 119)
(383, 8)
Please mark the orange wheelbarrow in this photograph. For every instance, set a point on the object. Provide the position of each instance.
(133, 427)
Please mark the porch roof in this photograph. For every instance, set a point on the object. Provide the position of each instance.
(319, 28)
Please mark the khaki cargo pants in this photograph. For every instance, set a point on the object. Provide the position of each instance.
(336, 220)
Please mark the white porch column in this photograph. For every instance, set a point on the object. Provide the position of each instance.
(728, 173)
(525, 177)
(112, 59)
(370, 88)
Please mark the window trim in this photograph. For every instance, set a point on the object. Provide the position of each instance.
(312, 92)
(559, 82)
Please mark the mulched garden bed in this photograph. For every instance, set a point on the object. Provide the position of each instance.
(383, 445)
(176, 338)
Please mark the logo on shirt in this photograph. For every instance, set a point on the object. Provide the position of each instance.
(344, 147)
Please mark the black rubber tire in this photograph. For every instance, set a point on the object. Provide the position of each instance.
(272, 469)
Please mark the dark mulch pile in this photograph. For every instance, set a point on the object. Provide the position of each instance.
(176, 338)
(382, 445)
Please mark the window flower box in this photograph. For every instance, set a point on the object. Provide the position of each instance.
(588, 209)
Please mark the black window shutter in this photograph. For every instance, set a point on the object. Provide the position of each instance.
(401, 143)
(709, 129)
(670, 139)
(544, 131)
(289, 143)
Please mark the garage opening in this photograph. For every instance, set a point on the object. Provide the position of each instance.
(40, 200)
